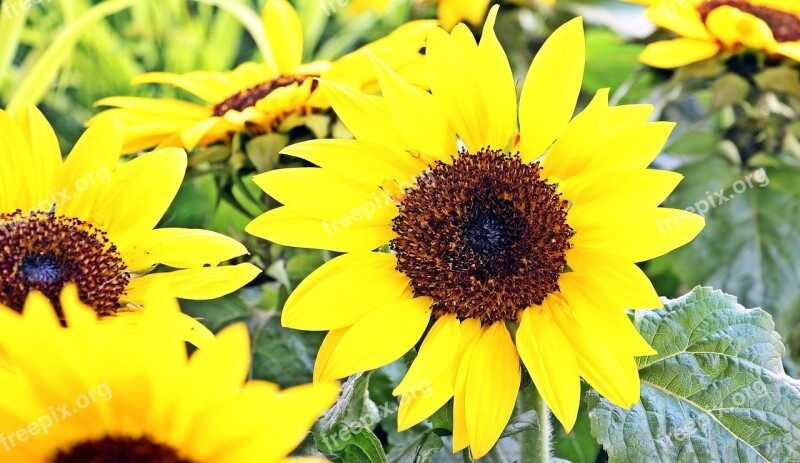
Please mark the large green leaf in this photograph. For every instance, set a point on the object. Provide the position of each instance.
(716, 391)
(749, 246)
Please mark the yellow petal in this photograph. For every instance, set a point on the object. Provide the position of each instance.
(358, 160)
(366, 116)
(470, 334)
(668, 54)
(733, 26)
(88, 166)
(649, 235)
(626, 192)
(45, 161)
(379, 338)
(435, 356)
(453, 11)
(455, 88)
(178, 247)
(634, 147)
(550, 360)
(681, 18)
(284, 34)
(343, 291)
(577, 146)
(616, 378)
(423, 401)
(588, 296)
(551, 89)
(497, 84)
(209, 86)
(625, 281)
(289, 227)
(138, 194)
(333, 198)
(492, 386)
(196, 284)
(422, 127)
(326, 351)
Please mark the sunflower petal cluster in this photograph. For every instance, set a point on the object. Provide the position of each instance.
(495, 215)
(257, 97)
(92, 219)
(707, 28)
(100, 391)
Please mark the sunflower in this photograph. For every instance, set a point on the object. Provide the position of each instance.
(709, 27)
(90, 220)
(129, 393)
(487, 227)
(257, 98)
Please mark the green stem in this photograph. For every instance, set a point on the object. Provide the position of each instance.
(626, 86)
(536, 443)
(465, 454)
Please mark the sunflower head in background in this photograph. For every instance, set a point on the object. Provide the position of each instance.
(107, 392)
(489, 225)
(90, 220)
(258, 98)
(707, 28)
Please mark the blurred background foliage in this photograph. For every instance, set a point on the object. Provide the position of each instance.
(737, 118)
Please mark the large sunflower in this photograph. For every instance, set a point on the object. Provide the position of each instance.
(101, 392)
(709, 27)
(537, 228)
(257, 97)
(90, 220)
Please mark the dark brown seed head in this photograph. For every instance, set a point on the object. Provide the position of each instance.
(785, 26)
(44, 252)
(484, 237)
(249, 97)
(119, 450)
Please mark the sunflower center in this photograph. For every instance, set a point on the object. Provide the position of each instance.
(43, 252)
(249, 97)
(485, 237)
(119, 450)
(785, 26)
(485, 233)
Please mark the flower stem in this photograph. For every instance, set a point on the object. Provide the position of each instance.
(536, 443)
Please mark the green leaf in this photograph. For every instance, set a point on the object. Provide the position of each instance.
(345, 431)
(282, 355)
(578, 446)
(38, 79)
(418, 451)
(716, 391)
(748, 246)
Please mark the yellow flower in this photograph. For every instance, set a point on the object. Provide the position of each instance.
(110, 392)
(255, 97)
(90, 220)
(451, 12)
(538, 227)
(359, 6)
(709, 27)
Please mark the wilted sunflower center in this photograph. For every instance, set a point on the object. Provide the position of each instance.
(43, 252)
(784, 25)
(249, 97)
(119, 450)
(484, 237)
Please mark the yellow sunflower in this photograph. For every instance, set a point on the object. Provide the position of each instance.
(709, 27)
(104, 392)
(90, 220)
(256, 97)
(488, 226)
